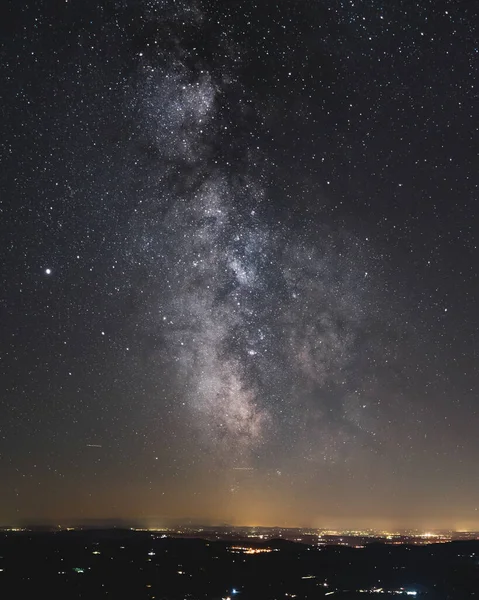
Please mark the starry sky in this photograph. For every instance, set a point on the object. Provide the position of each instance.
(240, 257)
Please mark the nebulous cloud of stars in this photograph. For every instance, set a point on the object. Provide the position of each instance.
(262, 322)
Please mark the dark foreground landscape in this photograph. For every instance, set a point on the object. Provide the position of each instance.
(152, 565)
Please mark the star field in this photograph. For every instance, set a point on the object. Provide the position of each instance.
(240, 262)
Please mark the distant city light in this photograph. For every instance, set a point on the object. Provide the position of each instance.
(401, 591)
(249, 550)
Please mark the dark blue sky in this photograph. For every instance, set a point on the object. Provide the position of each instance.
(239, 272)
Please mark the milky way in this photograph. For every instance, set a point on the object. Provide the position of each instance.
(262, 319)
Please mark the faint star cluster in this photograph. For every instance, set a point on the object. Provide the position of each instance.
(260, 317)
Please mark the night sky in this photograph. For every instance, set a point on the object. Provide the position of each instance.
(240, 259)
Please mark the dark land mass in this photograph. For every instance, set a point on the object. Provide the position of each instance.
(144, 565)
